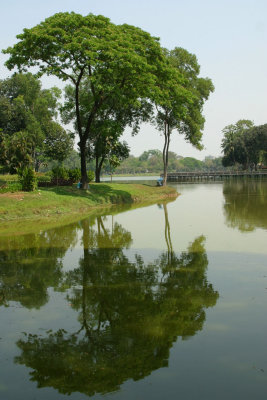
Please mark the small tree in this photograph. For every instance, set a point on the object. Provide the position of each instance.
(27, 179)
(117, 152)
(15, 151)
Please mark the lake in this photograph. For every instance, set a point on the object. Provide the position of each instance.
(165, 301)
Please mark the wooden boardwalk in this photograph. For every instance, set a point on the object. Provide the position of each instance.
(215, 175)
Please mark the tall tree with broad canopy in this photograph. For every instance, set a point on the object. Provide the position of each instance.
(119, 61)
(180, 99)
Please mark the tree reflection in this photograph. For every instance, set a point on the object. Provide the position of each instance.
(130, 314)
(245, 205)
(30, 264)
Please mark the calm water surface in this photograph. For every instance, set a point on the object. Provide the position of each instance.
(166, 301)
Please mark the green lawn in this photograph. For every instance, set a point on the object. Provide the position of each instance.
(67, 202)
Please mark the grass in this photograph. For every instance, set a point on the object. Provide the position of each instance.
(66, 203)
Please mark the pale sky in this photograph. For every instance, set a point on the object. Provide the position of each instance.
(229, 39)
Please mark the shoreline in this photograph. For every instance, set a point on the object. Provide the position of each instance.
(60, 205)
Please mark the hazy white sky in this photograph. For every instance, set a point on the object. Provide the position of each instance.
(229, 38)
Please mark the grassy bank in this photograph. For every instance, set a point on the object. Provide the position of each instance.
(67, 201)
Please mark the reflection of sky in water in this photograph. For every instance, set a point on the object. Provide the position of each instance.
(197, 211)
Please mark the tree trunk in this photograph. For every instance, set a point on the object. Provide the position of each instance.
(98, 166)
(36, 166)
(84, 177)
(97, 170)
(97, 175)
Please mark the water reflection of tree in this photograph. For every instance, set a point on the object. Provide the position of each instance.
(245, 205)
(130, 314)
(30, 264)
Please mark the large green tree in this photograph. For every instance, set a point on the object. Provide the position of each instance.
(245, 144)
(233, 144)
(256, 144)
(179, 100)
(29, 131)
(119, 62)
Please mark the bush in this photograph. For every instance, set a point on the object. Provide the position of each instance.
(9, 178)
(59, 173)
(43, 177)
(74, 174)
(91, 176)
(27, 179)
(10, 187)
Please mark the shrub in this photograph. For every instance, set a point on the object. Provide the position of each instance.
(43, 177)
(91, 176)
(10, 187)
(59, 173)
(27, 179)
(74, 174)
(9, 178)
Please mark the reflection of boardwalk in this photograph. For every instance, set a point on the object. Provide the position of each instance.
(201, 175)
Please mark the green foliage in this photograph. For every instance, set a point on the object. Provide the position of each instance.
(10, 187)
(73, 160)
(244, 144)
(151, 162)
(44, 177)
(3, 169)
(91, 176)
(74, 174)
(59, 172)
(233, 143)
(63, 203)
(117, 64)
(58, 143)
(180, 99)
(115, 153)
(15, 150)
(29, 133)
(28, 179)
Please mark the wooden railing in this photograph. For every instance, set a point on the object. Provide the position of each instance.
(177, 176)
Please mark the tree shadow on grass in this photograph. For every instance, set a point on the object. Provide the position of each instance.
(100, 193)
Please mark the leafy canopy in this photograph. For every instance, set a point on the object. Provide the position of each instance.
(119, 63)
(27, 120)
